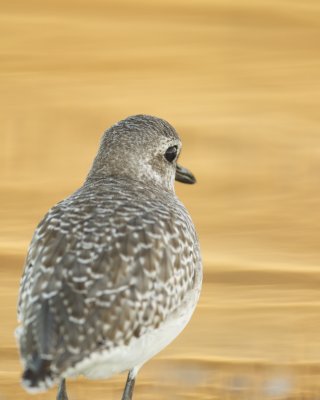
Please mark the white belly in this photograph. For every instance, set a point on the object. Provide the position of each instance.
(105, 364)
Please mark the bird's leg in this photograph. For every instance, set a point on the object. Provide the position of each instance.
(128, 390)
(62, 391)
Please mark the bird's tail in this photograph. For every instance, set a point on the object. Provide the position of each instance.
(37, 340)
(37, 376)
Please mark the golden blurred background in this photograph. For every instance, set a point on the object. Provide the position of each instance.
(240, 81)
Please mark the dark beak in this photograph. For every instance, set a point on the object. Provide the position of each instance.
(183, 175)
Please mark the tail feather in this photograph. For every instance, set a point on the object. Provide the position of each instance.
(37, 341)
(37, 375)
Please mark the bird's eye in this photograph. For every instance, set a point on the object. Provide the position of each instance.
(171, 153)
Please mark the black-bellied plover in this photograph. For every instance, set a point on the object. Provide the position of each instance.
(113, 272)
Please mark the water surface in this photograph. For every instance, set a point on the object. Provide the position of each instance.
(240, 81)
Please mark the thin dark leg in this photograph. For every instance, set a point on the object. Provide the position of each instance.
(128, 390)
(62, 391)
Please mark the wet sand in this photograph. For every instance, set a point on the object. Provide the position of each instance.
(240, 81)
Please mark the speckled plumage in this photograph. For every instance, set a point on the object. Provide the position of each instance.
(112, 262)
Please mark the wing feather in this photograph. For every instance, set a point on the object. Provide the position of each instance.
(97, 278)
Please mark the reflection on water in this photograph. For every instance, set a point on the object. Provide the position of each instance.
(240, 82)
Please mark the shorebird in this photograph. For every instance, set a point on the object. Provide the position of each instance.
(113, 272)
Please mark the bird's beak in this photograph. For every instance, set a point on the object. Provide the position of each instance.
(184, 175)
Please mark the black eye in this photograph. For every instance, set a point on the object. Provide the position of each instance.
(171, 153)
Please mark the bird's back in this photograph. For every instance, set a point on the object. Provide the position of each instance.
(105, 266)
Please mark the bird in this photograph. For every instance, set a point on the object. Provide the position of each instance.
(113, 272)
